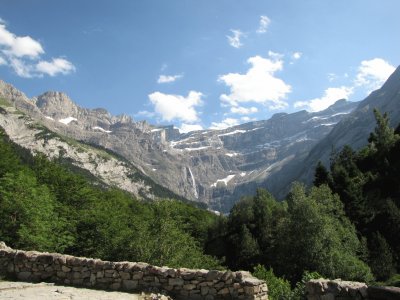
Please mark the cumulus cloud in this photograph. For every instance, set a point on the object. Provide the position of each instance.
(234, 40)
(264, 23)
(243, 110)
(22, 54)
(228, 122)
(176, 107)
(373, 73)
(259, 84)
(331, 95)
(168, 78)
(19, 46)
(55, 66)
(189, 127)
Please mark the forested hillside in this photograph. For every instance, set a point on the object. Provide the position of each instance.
(46, 207)
(346, 226)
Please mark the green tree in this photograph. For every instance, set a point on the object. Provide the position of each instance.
(27, 216)
(321, 175)
(318, 236)
(381, 259)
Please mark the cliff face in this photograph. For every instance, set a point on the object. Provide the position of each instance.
(217, 167)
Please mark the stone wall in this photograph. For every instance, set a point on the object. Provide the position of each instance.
(128, 276)
(324, 289)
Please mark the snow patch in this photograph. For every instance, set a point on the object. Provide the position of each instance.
(233, 132)
(101, 129)
(196, 149)
(225, 180)
(156, 130)
(242, 174)
(68, 120)
(50, 118)
(232, 154)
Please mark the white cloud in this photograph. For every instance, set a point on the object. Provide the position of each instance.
(19, 46)
(22, 54)
(247, 119)
(20, 68)
(243, 110)
(275, 55)
(171, 107)
(168, 78)
(54, 67)
(228, 122)
(264, 23)
(234, 40)
(259, 84)
(373, 73)
(189, 127)
(331, 95)
(296, 55)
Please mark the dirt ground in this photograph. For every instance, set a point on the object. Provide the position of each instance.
(49, 291)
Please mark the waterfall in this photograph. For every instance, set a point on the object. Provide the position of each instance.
(193, 184)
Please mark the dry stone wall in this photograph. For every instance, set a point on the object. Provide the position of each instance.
(324, 289)
(129, 276)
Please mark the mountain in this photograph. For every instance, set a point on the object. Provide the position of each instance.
(214, 167)
(355, 128)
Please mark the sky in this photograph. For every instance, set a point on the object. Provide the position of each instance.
(204, 64)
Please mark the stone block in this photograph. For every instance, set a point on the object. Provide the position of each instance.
(115, 286)
(213, 275)
(189, 286)
(65, 269)
(175, 281)
(129, 285)
(204, 290)
(125, 275)
(77, 281)
(24, 276)
(224, 291)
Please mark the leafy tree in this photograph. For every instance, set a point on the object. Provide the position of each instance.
(27, 217)
(318, 236)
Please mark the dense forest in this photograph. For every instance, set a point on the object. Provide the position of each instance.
(345, 226)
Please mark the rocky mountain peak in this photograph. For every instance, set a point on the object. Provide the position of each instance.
(56, 105)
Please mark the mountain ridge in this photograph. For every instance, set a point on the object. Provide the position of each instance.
(215, 167)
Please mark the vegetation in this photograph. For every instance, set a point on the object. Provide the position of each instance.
(345, 226)
(46, 207)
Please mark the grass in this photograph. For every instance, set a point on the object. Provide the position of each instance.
(4, 102)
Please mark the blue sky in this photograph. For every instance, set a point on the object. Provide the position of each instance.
(200, 64)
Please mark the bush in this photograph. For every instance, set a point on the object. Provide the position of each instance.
(278, 288)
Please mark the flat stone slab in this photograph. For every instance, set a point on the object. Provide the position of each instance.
(48, 291)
